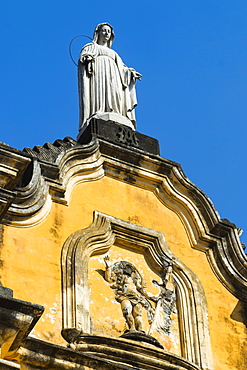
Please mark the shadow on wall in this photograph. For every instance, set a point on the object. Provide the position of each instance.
(239, 313)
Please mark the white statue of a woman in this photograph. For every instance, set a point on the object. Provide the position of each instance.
(106, 85)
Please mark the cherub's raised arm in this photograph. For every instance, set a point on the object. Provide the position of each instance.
(108, 269)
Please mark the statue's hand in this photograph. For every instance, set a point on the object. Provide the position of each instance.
(87, 58)
(136, 75)
(108, 264)
(107, 261)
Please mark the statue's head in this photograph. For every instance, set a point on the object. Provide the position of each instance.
(98, 30)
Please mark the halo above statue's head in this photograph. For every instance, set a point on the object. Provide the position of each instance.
(96, 33)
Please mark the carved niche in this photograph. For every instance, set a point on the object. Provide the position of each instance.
(118, 277)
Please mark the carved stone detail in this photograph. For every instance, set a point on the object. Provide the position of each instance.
(130, 292)
(98, 352)
(127, 136)
(49, 152)
(17, 318)
(98, 239)
(6, 198)
(12, 166)
(216, 237)
(165, 304)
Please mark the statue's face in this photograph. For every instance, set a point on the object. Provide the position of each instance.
(104, 33)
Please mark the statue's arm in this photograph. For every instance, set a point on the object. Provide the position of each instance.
(88, 52)
(108, 269)
(128, 75)
(87, 58)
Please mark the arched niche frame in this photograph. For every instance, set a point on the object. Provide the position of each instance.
(98, 239)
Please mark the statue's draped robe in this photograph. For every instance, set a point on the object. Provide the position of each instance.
(110, 88)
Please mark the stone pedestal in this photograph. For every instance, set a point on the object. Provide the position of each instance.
(118, 134)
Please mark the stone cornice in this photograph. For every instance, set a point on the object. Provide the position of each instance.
(110, 353)
(77, 163)
(206, 230)
(17, 319)
(12, 166)
(6, 198)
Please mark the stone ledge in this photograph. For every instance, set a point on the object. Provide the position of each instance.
(12, 167)
(125, 351)
(17, 319)
(105, 354)
(6, 198)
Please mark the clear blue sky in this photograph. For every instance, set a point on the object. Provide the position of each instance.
(192, 98)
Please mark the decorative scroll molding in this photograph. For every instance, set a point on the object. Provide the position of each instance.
(98, 238)
(218, 238)
(6, 198)
(50, 152)
(53, 181)
(17, 319)
(12, 166)
(207, 232)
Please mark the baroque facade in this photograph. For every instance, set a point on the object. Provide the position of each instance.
(116, 260)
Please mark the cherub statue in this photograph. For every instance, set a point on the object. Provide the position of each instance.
(129, 292)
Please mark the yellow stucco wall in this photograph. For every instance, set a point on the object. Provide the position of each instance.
(31, 261)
